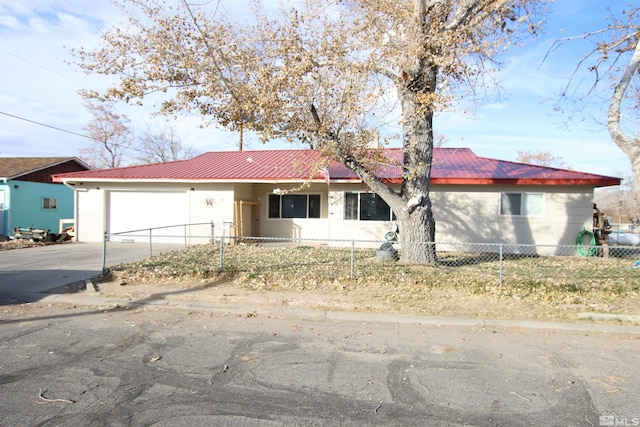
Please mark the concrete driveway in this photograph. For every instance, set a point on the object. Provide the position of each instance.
(26, 274)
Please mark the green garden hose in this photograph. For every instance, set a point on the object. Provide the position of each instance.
(591, 250)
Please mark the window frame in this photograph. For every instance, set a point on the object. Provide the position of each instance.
(310, 198)
(522, 209)
(48, 201)
(358, 203)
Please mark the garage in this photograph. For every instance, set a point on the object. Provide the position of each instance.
(133, 210)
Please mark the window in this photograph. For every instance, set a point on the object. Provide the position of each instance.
(351, 205)
(49, 204)
(294, 206)
(366, 207)
(522, 204)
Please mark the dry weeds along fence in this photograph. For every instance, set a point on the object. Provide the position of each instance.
(517, 271)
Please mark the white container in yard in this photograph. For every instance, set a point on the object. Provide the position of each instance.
(624, 239)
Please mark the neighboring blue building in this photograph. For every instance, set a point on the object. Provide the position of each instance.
(28, 196)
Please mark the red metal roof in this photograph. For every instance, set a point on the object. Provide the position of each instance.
(450, 166)
(462, 166)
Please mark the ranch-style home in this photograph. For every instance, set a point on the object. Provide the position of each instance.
(475, 199)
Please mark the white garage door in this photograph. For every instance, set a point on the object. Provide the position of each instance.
(129, 211)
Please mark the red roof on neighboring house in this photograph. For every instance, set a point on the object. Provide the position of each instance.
(450, 166)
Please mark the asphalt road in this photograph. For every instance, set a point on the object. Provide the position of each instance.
(77, 365)
(67, 363)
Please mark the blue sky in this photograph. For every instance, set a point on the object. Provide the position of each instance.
(37, 84)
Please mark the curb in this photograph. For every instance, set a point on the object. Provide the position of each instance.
(95, 299)
(609, 317)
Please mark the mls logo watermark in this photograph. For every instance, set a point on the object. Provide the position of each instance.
(611, 420)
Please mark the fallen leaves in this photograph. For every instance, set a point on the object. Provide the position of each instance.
(541, 286)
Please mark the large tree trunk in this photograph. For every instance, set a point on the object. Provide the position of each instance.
(417, 232)
(417, 226)
(630, 145)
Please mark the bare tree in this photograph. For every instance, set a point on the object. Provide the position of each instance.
(162, 145)
(111, 137)
(615, 57)
(541, 158)
(621, 203)
(329, 74)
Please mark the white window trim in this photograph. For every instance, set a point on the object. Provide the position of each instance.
(544, 204)
(359, 219)
(289, 219)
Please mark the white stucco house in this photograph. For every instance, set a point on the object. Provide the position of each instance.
(475, 199)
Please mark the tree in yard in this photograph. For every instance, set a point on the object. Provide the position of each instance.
(162, 145)
(111, 138)
(541, 158)
(327, 74)
(615, 56)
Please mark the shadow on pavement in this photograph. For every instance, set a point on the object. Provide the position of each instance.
(18, 287)
(81, 288)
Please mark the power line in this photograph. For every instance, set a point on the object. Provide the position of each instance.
(45, 125)
(139, 150)
(43, 67)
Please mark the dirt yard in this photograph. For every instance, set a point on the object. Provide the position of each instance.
(441, 302)
(381, 296)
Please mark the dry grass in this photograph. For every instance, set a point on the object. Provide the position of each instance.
(8, 245)
(531, 287)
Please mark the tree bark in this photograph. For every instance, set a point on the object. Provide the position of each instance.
(417, 225)
(628, 144)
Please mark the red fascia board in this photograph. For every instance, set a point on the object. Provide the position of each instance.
(595, 182)
(189, 180)
(598, 182)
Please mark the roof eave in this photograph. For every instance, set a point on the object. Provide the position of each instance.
(59, 162)
(72, 181)
(590, 182)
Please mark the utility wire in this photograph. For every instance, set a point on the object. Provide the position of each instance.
(139, 150)
(43, 67)
(45, 125)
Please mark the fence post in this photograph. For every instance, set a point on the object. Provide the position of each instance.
(353, 254)
(104, 253)
(185, 236)
(150, 242)
(500, 265)
(221, 246)
(213, 235)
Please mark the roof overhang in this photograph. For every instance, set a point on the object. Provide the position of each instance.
(81, 181)
(595, 182)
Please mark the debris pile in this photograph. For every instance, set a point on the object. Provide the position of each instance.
(40, 235)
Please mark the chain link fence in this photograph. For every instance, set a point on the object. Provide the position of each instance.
(487, 264)
(134, 245)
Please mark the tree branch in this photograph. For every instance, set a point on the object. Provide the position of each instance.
(625, 142)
